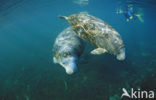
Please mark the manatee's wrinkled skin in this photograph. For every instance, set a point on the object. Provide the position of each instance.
(67, 49)
(98, 33)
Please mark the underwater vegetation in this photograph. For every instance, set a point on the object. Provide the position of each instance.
(28, 30)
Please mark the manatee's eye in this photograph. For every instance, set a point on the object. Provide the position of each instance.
(107, 36)
(66, 54)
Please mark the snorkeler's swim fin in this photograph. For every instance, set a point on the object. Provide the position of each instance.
(139, 16)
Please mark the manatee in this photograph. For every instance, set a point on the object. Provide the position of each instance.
(67, 49)
(98, 33)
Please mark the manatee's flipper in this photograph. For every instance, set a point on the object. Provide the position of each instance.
(98, 51)
(54, 60)
(63, 17)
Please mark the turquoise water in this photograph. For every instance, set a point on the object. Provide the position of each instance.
(28, 29)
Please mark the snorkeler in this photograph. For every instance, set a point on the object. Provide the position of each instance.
(130, 14)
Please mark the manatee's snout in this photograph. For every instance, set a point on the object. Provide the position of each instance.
(71, 68)
(63, 17)
(121, 55)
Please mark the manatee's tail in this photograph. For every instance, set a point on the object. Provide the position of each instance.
(121, 56)
(63, 17)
